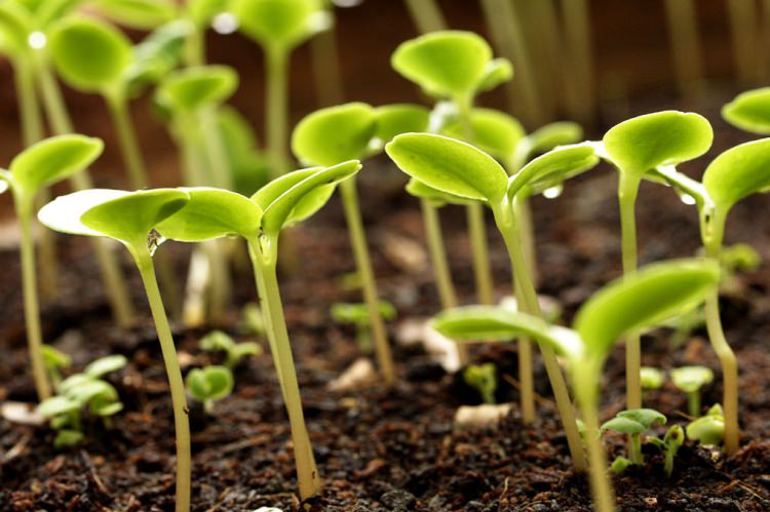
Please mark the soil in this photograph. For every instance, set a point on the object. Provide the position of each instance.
(389, 450)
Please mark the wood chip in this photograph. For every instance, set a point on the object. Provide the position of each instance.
(480, 416)
(358, 374)
(21, 413)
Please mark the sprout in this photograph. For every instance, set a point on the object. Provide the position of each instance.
(218, 341)
(672, 441)
(104, 365)
(639, 300)
(131, 218)
(483, 377)
(651, 378)
(31, 172)
(709, 429)
(210, 384)
(634, 423)
(636, 147)
(358, 315)
(253, 321)
(54, 361)
(750, 111)
(691, 379)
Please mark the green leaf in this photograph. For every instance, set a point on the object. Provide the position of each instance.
(663, 138)
(105, 409)
(67, 438)
(651, 378)
(90, 55)
(707, 430)
(497, 71)
(750, 111)
(691, 378)
(217, 341)
(446, 63)
(157, 55)
(400, 118)
(288, 200)
(551, 135)
(552, 169)
(335, 134)
(193, 88)
(248, 166)
(52, 160)
(646, 417)
(210, 383)
(212, 213)
(494, 132)
(201, 12)
(483, 377)
(51, 11)
(105, 365)
(54, 358)
(358, 313)
(497, 323)
(57, 405)
(89, 390)
(738, 173)
(140, 14)
(643, 299)
(15, 27)
(623, 425)
(73, 382)
(280, 23)
(436, 197)
(449, 165)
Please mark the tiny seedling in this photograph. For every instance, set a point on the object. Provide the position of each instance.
(32, 171)
(358, 315)
(750, 111)
(483, 378)
(55, 360)
(218, 341)
(691, 379)
(639, 300)
(253, 320)
(131, 218)
(651, 378)
(209, 384)
(634, 423)
(709, 429)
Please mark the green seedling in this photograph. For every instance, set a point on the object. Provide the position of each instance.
(636, 147)
(209, 384)
(155, 56)
(358, 315)
(214, 213)
(218, 341)
(200, 15)
(104, 365)
(138, 14)
(278, 26)
(634, 423)
(32, 171)
(456, 66)
(483, 378)
(253, 320)
(691, 379)
(638, 301)
(459, 169)
(131, 218)
(672, 441)
(54, 361)
(710, 429)
(750, 111)
(739, 258)
(651, 378)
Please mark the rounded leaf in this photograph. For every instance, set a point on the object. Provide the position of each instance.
(449, 165)
(498, 71)
(57, 405)
(552, 169)
(400, 118)
(105, 365)
(157, 55)
(335, 134)
(193, 88)
(750, 111)
(210, 383)
(63, 213)
(280, 23)
(646, 417)
(623, 425)
(140, 14)
(691, 378)
(52, 160)
(738, 173)
(663, 138)
(448, 63)
(15, 27)
(495, 132)
(90, 55)
(552, 135)
(436, 197)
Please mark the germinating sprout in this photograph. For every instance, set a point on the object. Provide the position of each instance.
(691, 379)
(218, 341)
(709, 429)
(358, 316)
(651, 378)
(209, 384)
(55, 360)
(483, 378)
(634, 423)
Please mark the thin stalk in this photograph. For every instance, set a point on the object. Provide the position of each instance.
(441, 271)
(277, 106)
(742, 15)
(129, 147)
(31, 307)
(693, 403)
(426, 14)
(115, 283)
(509, 229)
(685, 46)
(635, 449)
(263, 253)
(326, 68)
(366, 273)
(174, 374)
(523, 212)
(580, 93)
(628, 187)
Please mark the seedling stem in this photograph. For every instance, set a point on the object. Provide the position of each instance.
(129, 146)
(277, 101)
(426, 15)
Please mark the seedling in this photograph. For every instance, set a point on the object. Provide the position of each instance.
(750, 111)
(638, 301)
(636, 147)
(252, 319)
(32, 171)
(138, 14)
(691, 379)
(358, 315)
(709, 429)
(457, 66)
(209, 384)
(651, 378)
(131, 218)
(279, 27)
(672, 441)
(634, 423)
(459, 169)
(482, 377)
(214, 213)
(55, 360)
(218, 341)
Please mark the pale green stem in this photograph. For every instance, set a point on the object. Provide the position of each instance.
(195, 49)
(685, 46)
(577, 33)
(174, 374)
(326, 68)
(211, 137)
(277, 109)
(263, 253)
(366, 274)
(628, 187)
(426, 15)
(129, 147)
(31, 307)
(528, 302)
(635, 449)
(523, 213)
(693, 403)
(115, 284)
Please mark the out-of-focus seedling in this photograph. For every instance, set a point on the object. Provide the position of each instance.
(651, 378)
(640, 300)
(691, 379)
(131, 218)
(218, 341)
(750, 111)
(636, 147)
(358, 315)
(252, 320)
(483, 378)
(634, 423)
(709, 429)
(55, 360)
(209, 384)
(138, 14)
(32, 171)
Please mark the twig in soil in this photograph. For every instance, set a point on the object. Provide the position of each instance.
(18, 449)
(103, 489)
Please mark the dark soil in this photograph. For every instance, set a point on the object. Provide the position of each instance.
(388, 450)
